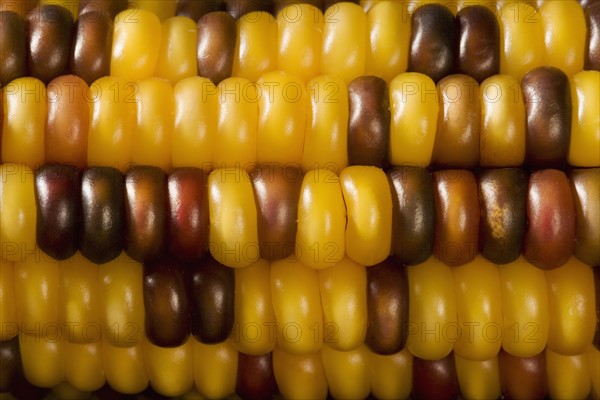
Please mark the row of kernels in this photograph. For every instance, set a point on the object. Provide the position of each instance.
(217, 371)
(344, 42)
(548, 121)
(276, 212)
(473, 310)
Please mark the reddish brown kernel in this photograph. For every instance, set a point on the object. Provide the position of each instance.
(369, 122)
(212, 300)
(456, 216)
(432, 43)
(387, 307)
(58, 201)
(166, 302)
(102, 208)
(217, 37)
(92, 46)
(188, 214)
(49, 32)
(276, 191)
(145, 212)
(68, 119)
(550, 237)
(547, 99)
(457, 136)
(435, 379)
(255, 377)
(503, 200)
(413, 214)
(12, 47)
(522, 378)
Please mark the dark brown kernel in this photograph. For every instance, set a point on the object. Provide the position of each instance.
(458, 126)
(196, 9)
(413, 214)
(92, 46)
(478, 42)
(456, 216)
(432, 43)
(503, 201)
(239, 8)
(212, 300)
(102, 208)
(387, 307)
(49, 33)
(12, 47)
(522, 378)
(255, 377)
(369, 122)
(58, 201)
(276, 191)
(550, 237)
(217, 36)
(435, 379)
(108, 7)
(188, 214)
(145, 212)
(585, 187)
(592, 44)
(547, 97)
(166, 302)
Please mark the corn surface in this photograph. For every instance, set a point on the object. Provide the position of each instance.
(234, 199)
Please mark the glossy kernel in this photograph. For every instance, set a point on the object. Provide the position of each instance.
(547, 95)
(67, 121)
(188, 223)
(368, 201)
(276, 192)
(550, 235)
(479, 42)
(49, 29)
(457, 216)
(369, 122)
(145, 212)
(166, 301)
(211, 300)
(502, 199)
(432, 41)
(413, 214)
(387, 304)
(58, 209)
(103, 214)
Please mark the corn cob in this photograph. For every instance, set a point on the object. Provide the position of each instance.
(480, 41)
(259, 375)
